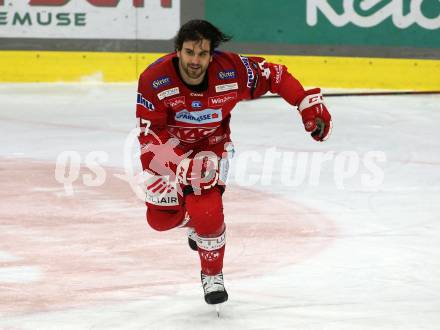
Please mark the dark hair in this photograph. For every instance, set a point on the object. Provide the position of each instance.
(196, 30)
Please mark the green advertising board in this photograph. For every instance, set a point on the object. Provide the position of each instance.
(394, 23)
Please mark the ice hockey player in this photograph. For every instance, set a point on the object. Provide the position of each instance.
(184, 106)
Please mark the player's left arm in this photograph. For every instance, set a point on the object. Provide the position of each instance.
(277, 79)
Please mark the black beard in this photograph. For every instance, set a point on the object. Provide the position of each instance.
(198, 71)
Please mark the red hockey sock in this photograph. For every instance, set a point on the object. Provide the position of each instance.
(207, 219)
(212, 261)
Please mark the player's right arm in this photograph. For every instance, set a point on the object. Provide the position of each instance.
(158, 155)
(151, 117)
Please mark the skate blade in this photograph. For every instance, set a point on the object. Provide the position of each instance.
(218, 309)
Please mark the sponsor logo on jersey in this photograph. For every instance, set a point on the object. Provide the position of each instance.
(250, 72)
(226, 87)
(144, 102)
(278, 73)
(196, 104)
(228, 74)
(199, 117)
(160, 192)
(161, 82)
(162, 200)
(168, 93)
(196, 94)
(175, 102)
(222, 99)
(191, 134)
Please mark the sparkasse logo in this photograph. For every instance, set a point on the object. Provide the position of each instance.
(199, 117)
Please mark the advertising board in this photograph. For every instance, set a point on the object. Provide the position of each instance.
(90, 19)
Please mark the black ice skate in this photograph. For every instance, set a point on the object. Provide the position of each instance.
(192, 239)
(214, 288)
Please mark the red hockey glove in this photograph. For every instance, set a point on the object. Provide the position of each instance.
(315, 116)
(200, 173)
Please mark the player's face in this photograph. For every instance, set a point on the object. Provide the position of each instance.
(194, 59)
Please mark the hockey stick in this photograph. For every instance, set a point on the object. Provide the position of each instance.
(396, 93)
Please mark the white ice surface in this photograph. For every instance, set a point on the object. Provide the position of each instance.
(382, 267)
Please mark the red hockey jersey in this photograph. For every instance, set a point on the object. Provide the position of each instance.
(198, 116)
